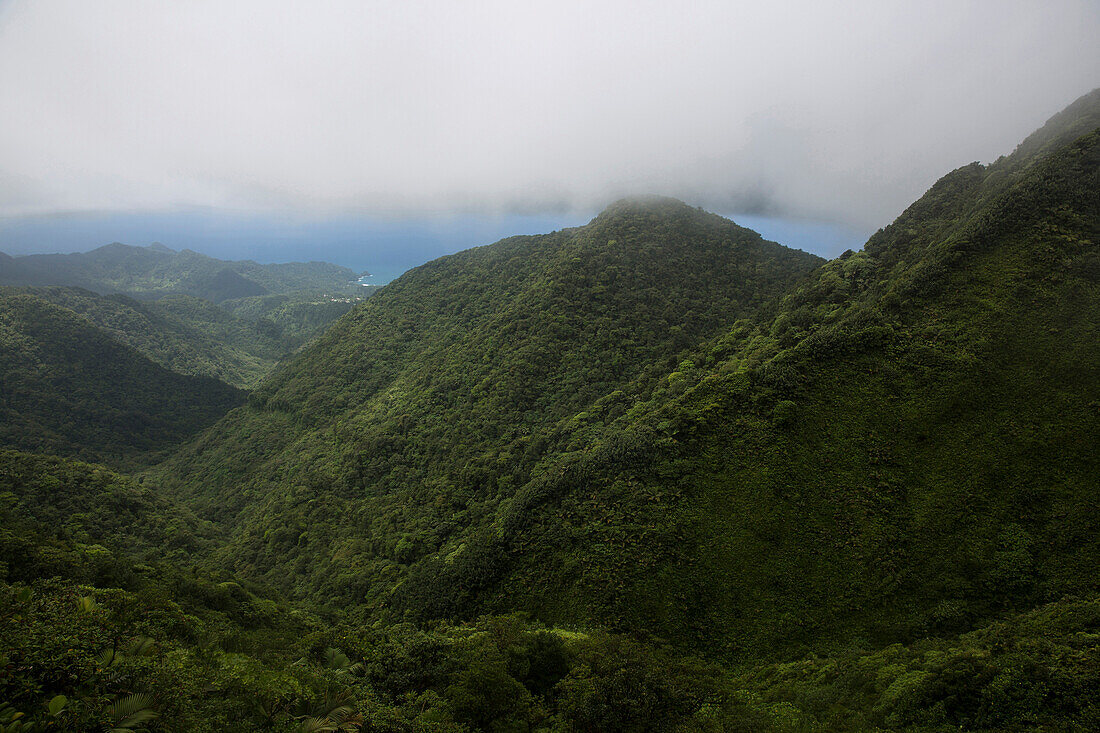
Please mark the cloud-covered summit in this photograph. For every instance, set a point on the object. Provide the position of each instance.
(803, 109)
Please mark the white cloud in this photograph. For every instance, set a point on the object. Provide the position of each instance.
(816, 109)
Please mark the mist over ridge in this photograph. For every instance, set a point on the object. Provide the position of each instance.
(793, 110)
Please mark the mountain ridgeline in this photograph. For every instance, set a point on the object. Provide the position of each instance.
(906, 446)
(660, 422)
(652, 473)
(156, 270)
(421, 411)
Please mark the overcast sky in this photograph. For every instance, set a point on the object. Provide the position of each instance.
(819, 110)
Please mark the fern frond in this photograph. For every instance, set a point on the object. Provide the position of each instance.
(129, 712)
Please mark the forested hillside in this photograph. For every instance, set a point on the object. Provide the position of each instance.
(428, 405)
(653, 473)
(780, 488)
(181, 333)
(907, 445)
(108, 623)
(68, 388)
(296, 317)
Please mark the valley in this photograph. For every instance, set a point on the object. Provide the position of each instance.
(650, 473)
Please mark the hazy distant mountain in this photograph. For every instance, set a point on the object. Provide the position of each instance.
(182, 333)
(156, 270)
(265, 313)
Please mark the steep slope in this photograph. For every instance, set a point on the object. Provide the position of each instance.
(902, 447)
(182, 333)
(399, 432)
(909, 445)
(68, 388)
(156, 270)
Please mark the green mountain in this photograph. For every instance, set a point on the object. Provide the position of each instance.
(427, 406)
(653, 473)
(906, 445)
(623, 425)
(69, 388)
(154, 271)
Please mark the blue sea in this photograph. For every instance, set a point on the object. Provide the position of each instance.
(384, 247)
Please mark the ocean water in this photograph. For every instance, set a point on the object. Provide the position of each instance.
(384, 247)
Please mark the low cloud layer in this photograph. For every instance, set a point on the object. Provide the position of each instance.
(842, 111)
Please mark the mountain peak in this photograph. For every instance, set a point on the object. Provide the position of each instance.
(628, 214)
(1079, 118)
(647, 204)
(114, 247)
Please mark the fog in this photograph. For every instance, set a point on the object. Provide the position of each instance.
(840, 112)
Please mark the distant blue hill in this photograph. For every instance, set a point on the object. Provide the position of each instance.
(156, 270)
(385, 247)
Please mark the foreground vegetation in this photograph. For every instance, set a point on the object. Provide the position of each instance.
(104, 624)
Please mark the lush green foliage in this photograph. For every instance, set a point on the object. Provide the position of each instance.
(407, 423)
(64, 518)
(187, 653)
(906, 445)
(1032, 671)
(182, 333)
(648, 474)
(66, 387)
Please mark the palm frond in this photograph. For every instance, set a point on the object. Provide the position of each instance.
(332, 704)
(129, 712)
(316, 725)
(140, 646)
(336, 659)
(351, 723)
